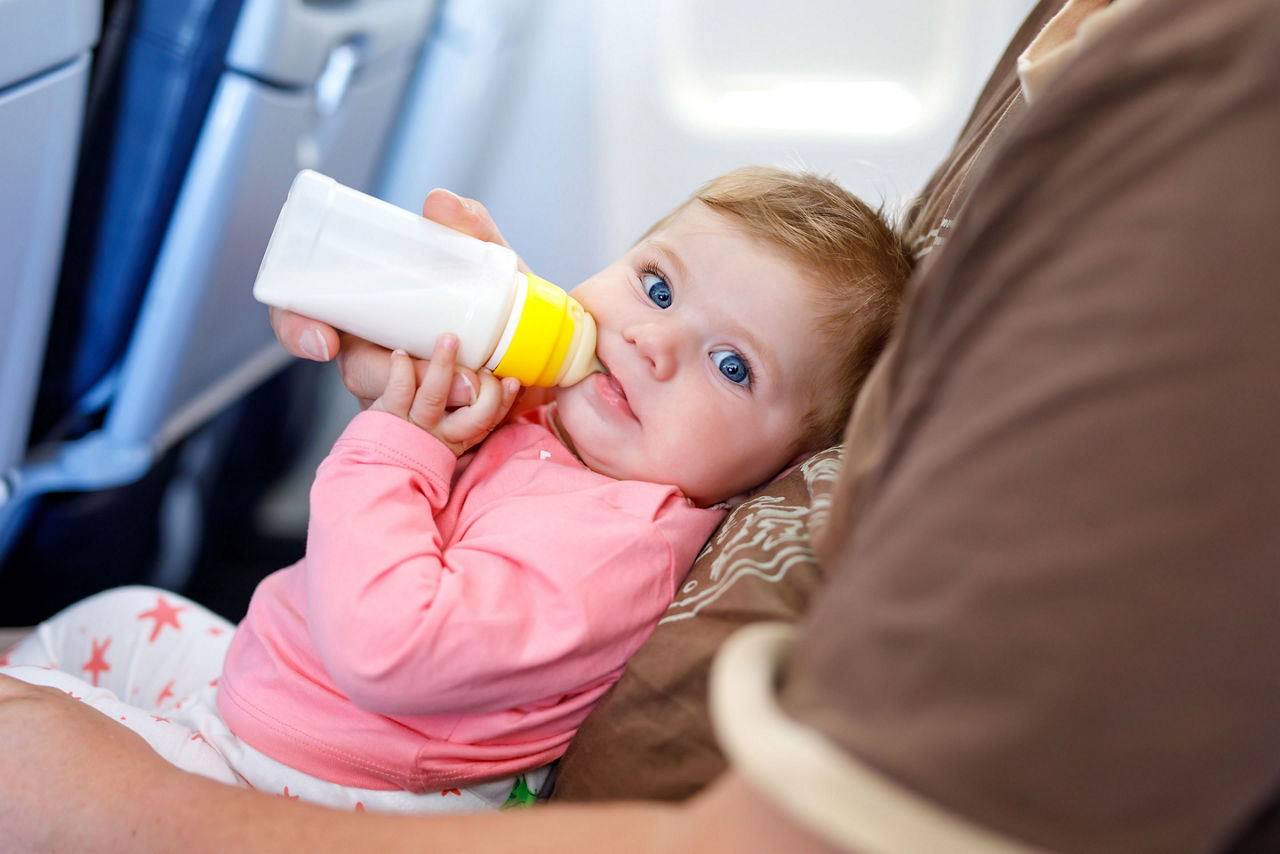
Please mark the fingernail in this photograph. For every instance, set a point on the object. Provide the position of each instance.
(466, 205)
(471, 390)
(313, 346)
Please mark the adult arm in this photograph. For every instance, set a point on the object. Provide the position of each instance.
(55, 800)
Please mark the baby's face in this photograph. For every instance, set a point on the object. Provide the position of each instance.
(707, 336)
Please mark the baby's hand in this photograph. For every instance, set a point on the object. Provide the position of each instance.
(426, 405)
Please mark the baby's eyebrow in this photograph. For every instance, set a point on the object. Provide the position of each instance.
(671, 261)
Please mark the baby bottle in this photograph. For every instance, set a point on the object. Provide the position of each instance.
(370, 268)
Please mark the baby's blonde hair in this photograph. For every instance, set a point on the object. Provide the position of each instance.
(856, 260)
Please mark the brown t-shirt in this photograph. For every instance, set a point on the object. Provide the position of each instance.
(651, 735)
(1053, 606)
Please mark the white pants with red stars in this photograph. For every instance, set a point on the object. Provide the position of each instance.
(151, 659)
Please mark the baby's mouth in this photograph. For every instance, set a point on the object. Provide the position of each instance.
(615, 385)
(602, 368)
(613, 388)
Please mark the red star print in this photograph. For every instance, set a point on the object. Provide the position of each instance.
(289, 796)
(165, 694)
(4, 659)
(97, 664)
(359, 806)
(164, 614)
(161, 720)
(450, 792)
(216, 630)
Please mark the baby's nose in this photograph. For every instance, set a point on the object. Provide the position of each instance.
(659, 345)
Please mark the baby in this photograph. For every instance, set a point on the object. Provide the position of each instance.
(474, 582)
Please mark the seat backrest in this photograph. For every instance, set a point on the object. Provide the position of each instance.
(44, 72)
(150, 102)
(293, 84)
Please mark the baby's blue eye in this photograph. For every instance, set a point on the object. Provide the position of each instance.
(658, 290)
(733, 366)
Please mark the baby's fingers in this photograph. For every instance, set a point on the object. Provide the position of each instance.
(469, 425)
(433, 393)
(398, 395)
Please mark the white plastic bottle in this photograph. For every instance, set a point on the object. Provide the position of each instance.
(379, 272)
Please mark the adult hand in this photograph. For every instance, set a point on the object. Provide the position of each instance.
(364, 365)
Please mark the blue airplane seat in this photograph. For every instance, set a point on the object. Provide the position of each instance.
(160, 346)
(149, 101)
(45, 50)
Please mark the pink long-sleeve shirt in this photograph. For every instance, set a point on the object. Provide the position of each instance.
(453, 620)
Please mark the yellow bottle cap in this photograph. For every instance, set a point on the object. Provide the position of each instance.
(542, 335)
